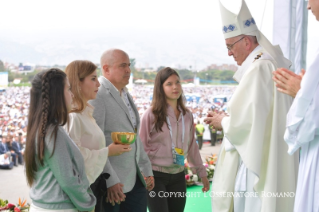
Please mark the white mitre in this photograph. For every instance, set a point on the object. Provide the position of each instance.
(244, 24)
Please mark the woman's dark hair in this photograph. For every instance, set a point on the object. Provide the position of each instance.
(47, 109)
(159, 104)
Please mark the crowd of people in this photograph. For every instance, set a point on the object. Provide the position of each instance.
(14, 105)
(142, 96)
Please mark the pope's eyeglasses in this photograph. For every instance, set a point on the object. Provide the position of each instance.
(231, 45)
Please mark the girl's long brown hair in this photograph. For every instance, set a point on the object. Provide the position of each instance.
(76, 72)
(159, 104)
(47, 109)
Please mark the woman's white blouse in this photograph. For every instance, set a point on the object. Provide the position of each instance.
(90, 139)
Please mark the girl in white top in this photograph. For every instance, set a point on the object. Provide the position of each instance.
(82, 127)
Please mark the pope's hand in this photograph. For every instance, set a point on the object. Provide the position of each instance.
(214, 119)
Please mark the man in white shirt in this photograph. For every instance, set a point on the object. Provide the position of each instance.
(5, 162)
(253, 164)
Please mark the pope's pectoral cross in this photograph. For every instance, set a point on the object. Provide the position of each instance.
(258, 56)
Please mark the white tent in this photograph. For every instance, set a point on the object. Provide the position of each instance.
(290, 30)
(140, 81)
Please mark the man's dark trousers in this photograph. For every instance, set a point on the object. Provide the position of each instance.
(135, 201)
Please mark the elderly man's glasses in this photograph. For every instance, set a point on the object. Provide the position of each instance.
(231, 45)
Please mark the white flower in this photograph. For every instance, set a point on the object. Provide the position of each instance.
(189, 172)
(211, 167)
(195, 178)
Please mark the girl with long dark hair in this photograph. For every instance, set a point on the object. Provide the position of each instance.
(54, 165)
(167, 134)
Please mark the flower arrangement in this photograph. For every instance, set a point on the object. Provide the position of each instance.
(189, 176)
(192, 178)
(20, 207)
(210, 165)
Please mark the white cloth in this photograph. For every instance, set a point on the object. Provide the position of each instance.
(237, 76)
(224, 179)
(243, 172)
(303, 131)
(307, 194)
(255, 127)
(245, 199)
(245, 179)
(228, 145)
(303, 116)
(241, 178)
(34, 208)
(4, 161)
(91, 141)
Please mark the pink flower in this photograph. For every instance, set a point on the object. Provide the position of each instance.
(206, 165)
(187, 177)
(10, 206)
(16, 209)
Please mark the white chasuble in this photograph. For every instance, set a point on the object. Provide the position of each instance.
(255, 128)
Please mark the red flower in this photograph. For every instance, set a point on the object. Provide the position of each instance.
(10, 206)
(16, 209)
(187, 177)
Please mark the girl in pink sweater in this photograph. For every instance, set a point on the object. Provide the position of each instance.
(167, 134)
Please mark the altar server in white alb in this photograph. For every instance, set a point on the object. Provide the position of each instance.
(303, 132)
(253, 160)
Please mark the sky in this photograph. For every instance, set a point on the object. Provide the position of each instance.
(177, 33)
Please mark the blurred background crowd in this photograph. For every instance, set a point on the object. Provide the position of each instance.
(14, 104)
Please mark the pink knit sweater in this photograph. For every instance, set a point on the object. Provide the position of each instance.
(158, 145)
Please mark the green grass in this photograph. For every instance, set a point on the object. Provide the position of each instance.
(197, 200)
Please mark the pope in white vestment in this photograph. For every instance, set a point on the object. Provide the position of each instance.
(253, 164)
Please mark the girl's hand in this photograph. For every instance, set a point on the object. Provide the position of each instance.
(205, 184)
